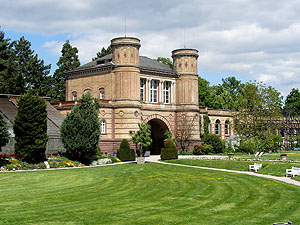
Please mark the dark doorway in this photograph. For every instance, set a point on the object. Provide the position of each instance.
(158, 128)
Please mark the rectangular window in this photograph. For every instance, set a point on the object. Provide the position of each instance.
(154, 91)
(226, 128)
(102, 127)
(167, 86)
(142, 89)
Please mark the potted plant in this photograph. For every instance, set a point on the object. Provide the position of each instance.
(142, 139)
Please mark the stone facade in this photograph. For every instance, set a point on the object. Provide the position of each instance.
(135, 89)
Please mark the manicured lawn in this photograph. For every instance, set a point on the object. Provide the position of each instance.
(144, 194)
(291, 155)
(270, 168)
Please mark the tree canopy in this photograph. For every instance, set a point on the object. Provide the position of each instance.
(166, 61)
(260, 110)
(68, 61)
(293, 101)
(104, 52)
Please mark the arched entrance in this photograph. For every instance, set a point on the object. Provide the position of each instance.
(158, 128)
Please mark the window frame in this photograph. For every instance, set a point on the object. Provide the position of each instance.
(102, 127)
(74, 97)
(142, 89)
(166, 92)
(217, 127)
(101, 93)
(154, 86)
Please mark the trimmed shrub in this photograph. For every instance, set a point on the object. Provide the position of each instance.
(124, 153)
(198, 149)
(215, 141)
(207, 149)
(170, 151)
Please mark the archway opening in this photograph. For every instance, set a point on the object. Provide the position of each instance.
(158, 128)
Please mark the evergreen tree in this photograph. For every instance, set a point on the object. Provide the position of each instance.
(80, 131)
(30, 68)
(4, 135)
(104, 52)
(30, 128)
(68, 61)
(4, 52)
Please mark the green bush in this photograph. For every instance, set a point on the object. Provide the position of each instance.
(215, 141)
(170, 151)
(207, 149)
(198, 149)
(124, 153)
(251, 145)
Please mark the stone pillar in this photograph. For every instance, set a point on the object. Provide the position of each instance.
(160, 90)
(148, 90)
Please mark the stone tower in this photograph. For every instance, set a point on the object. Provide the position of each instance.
(125, 55)
(185, 63)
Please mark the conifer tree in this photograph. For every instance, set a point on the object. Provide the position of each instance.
(104, 52)
(4, 135)
(80, 131)
(68, 61)
(31, 69)
(30, 128)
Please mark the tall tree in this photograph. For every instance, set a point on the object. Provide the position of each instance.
(27, 70)
(4, 51)
(293, 100)
(4, 135)
(104, 52)
(204, 92)
(30, 128)
(260, 110)
(80, 130)
(186, 125)
(233, 87)
(68, 61)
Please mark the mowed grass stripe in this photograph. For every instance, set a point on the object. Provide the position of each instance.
(144, 194)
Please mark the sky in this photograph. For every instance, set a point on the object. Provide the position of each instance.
(249, 39)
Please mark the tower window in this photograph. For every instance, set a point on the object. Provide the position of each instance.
(74, 96)
(154, 91)
(102, 93)
(102, 127)
(167, 86)
(142, 89)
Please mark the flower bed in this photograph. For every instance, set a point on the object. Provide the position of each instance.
(12, 164)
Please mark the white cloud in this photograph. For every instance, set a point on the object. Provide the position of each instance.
(253, 39)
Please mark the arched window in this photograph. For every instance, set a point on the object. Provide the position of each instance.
(227, 127)
(87, 90)
(102, 127)
(102, 94)
(218, 126)
(74, 96)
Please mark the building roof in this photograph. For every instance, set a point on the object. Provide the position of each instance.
(9, 109)
(147, 65)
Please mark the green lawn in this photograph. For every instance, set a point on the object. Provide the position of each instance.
(270, 168)
(291, 155)
(145, 194)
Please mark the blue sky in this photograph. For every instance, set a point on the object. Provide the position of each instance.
(248, 39)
